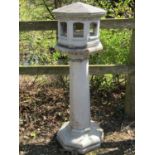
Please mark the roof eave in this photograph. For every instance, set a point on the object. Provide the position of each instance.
(79, 15)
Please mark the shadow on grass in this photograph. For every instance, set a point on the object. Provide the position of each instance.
(53, 148)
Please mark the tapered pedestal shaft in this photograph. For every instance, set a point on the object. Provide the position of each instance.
(79, 94)
(79, 133)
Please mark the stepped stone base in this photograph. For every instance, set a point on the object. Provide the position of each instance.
(79, 140)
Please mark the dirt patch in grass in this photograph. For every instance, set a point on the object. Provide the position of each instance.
(44, 106)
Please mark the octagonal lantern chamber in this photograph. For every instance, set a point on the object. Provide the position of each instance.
(78, 27)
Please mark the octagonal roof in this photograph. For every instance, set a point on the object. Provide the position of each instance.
(79, 9)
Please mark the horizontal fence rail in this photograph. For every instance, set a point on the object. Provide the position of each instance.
(64, 69)
(52, 25)
(93, 69)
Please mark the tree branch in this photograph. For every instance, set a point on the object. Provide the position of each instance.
(48, 9)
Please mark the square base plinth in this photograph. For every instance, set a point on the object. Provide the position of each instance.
(80, 140)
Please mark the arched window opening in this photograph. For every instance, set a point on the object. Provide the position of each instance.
(78, 30)
(63, 29)
(93, 29)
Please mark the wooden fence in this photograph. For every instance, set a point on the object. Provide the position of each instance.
(94, 69)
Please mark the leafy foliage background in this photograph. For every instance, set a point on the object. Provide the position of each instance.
(38, 47)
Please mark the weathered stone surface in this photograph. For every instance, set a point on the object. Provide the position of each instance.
(78, 9)
(78, 140)
(78, 26)
(80, 51)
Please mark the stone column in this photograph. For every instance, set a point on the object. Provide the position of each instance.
(79, 93)
(80, 133)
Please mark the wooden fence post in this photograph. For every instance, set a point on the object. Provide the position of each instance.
(130, 88)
